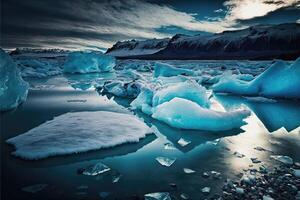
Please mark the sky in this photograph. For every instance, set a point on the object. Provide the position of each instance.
(98, 24)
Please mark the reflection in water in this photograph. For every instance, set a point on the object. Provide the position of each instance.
(273, 115)
(87, 81)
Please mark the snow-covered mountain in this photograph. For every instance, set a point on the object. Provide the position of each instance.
(136, 48)
(256, 42)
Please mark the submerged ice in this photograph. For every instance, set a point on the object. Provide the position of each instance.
(13, 89)
(87, 62)
(79, 132)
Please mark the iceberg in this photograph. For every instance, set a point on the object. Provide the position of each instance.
(13, 89)
(79, 132)
(122, 89)
(164, 161)
(189, 90)
(185, 114)
(280, 80)
(166, 70)
(87, 62)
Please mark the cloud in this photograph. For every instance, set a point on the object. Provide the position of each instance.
(80, 23)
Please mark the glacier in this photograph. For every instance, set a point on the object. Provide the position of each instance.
(13, 89)
(186, 114)
(88, 62)
(280, 80)
(79, 132)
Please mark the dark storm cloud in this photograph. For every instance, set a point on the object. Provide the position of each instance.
(82, 23)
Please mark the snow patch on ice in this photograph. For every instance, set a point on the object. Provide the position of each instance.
(79, 132)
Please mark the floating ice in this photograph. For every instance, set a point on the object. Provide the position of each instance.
(143, 101)
(163, 69)
(205, 190)
(79, 132)
(165, 161)
(182, 142)
(188, 171)
(185, 114)
(98, 168)
(157, 196)
(284, 159)
(116, 178)
(87, 62)
(169, 146)
(296, 172)
(184, 196)
(123, 89)
(279, 80)
(239, 190)
(189, 90)
(265, 197)
(13, 89)
(34, 188)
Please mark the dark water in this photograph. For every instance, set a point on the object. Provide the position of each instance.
(140, 172)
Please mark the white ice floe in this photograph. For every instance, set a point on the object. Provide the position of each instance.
(280, 80)
(185, 114)
(13, 89)
(87, 62)
(183, 142)
(188, 171)
(79, 132)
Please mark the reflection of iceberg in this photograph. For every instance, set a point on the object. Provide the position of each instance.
(273, 115)
(86, 81)
(195, 137)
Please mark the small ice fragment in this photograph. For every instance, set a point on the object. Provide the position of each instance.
(116, 178)
(255, 160)
(239, 155)
(188, 171)
(215, 174)
(214, 142)
(267, 198)
(34, 188)
(158, 196)
(205, 190)
(96, 169)
(205, 175)
(166, 161)
(82, 187)
(169, 146)
(182, 142)
(184, 196)
(104, 194)
(284, 159)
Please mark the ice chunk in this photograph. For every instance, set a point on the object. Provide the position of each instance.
(185, 114)
(280, 80)
(169, 146)
(13, 89)
(165, 161)
(116, 178)
(188, 171)
(143, 101)
(79, 132)
(284, 159)
(87, 62)
(123, 89)
(34, 188)
(98, 168)
(163, 69)
(187, 90)
(239, 155)
(184, 196)
(157, 196)
(182, 142)
(205, 190)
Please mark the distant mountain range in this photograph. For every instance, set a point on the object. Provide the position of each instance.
(257, 42)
